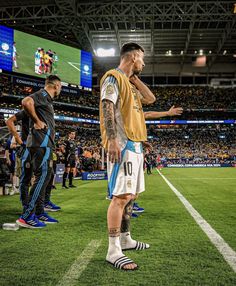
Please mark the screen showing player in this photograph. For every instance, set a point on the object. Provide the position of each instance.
(32, 55)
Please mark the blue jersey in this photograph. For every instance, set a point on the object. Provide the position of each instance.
(37, 55)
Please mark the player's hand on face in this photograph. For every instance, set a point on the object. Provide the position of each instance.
(114, 151)
(175, 111)
(133, 79)
(40, 125)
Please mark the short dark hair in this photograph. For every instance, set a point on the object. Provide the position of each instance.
(130, 47)
(51, 79)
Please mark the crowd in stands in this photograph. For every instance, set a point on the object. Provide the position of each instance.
(88, 100)
(194, 97)
(196, 144)
(58, 111)
(199, 144)
(191, 144)
(188, 97)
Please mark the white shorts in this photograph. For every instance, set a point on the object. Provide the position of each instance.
(127, 177)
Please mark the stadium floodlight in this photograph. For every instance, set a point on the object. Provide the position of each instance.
(182, 52)
(224, 52)
(105, 52)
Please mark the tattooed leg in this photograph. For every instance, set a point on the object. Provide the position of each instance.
(114, 217)
(114, 232)
(125, 223)
(125, 238)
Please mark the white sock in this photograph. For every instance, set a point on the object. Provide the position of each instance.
(126, 241)
(114, 249)
(17, 182)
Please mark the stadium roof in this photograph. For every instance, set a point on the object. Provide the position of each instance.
(172, 32)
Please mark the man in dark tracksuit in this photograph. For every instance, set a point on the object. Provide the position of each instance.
(22, 152)
(70, 151)
(40, 143)
(148, 164)
(24, 155)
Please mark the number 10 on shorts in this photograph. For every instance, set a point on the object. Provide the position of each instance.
(128, 168)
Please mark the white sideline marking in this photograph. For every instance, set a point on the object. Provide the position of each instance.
(72, 64)
(72, 275)
(202, 178)
(228, 253)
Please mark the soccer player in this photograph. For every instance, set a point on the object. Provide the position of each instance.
(41, 67)
(24, 156)
(70, 153)
(158, 162)
(40, 143)
(50, 53)
(14, 55)
(54, 63)
(47, 63)
(123, 130)
(37, 61)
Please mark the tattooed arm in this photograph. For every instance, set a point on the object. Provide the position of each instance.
(114, 152)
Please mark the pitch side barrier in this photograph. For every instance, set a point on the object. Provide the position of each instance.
(96, 175)
(198, 165)
(93, 121)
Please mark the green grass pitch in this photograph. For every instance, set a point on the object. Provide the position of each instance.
(26, 46)
(180, 253)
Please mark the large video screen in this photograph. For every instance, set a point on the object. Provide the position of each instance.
(32, 55)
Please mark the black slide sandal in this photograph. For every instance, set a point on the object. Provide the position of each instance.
(121, 262)
(138, 246)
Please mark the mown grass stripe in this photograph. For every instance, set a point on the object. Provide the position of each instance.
(80, 264)
(226, 251)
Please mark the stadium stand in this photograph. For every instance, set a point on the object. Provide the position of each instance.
(175, 143)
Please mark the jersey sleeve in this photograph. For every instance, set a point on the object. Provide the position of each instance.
(110, 89)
